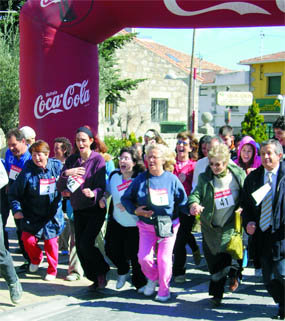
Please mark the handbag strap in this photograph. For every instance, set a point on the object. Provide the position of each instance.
(147, 189)
(238, 221)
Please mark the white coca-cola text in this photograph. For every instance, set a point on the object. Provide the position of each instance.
(75, 95)
(45, 3)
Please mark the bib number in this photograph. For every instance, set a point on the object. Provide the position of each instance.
(47, 186)
(14, 172)
(159, 197)
(74, 182)
(224, 199)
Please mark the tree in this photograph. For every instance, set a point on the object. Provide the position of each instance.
(9, 71)
(253, 124)
(111, 86)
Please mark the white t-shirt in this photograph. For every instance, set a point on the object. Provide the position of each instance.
(116, 187)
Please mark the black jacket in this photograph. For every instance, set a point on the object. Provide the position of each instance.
(270, 242)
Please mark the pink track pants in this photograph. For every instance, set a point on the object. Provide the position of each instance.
(160, 269)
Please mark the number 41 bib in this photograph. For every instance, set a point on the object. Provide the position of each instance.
(224, 199)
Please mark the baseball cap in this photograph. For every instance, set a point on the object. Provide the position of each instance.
(149, 134)
(28, 132)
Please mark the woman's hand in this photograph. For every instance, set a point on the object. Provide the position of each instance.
(141, 211)
(18, 215)
(102, 202)
(249, 170)
(65, 193)
(88, 193)
(196, 209)
(250, 228)
(76, 171)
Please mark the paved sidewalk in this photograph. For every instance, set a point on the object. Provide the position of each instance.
(36, 289)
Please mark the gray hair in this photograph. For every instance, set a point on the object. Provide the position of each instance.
(277, 145)
(218, 139)
(167, 155)
(220, 151)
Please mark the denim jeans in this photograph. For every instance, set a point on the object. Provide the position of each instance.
(7, 269)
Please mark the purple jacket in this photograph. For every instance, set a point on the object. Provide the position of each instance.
(249, 140)
(94, 179)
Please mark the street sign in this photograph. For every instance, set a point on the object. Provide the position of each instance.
(234, 98)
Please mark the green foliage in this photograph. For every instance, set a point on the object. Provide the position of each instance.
(111, 87)
(115, 145)
(9, 72)
(253, 124)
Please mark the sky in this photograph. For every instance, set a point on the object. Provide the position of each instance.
(222, 46)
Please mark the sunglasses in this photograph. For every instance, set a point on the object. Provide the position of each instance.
(185, 143)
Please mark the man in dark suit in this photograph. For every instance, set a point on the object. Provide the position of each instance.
(264, 216)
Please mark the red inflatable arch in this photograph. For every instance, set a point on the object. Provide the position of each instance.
(58, 48)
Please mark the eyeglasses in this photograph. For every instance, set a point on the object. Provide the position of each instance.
(127, 159)
(153, 157)
(184, 142)
(216, 164)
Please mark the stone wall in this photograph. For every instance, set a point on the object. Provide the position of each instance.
(163, 81)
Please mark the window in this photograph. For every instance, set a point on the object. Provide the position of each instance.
(110, 110)
(159, 110)
(274, 85)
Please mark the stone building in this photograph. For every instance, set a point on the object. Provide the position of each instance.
(161, 100)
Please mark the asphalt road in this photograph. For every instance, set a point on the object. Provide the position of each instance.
(66, 301)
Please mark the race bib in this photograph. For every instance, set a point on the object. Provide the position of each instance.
(224, 199)
(74, 182)
(159, 197)
(47, 186)
(124, 186)
(14, 172)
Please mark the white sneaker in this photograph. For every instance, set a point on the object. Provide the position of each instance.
(141, 289)
(162, 298)
(50, 277)
(150, 288)
(121, 281)
(34, 267)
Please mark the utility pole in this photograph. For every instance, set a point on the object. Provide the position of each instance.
(190, 92)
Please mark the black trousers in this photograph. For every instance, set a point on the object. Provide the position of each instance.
(217, 262)
(87, 225)
(7, 269)
(273, 271)
(184, 237)
(122, 244)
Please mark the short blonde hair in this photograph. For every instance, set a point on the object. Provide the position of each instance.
(221, 152)
(166, 154)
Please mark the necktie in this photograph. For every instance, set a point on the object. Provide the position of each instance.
(266, 207)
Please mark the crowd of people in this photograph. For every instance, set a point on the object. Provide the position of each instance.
(143, 212)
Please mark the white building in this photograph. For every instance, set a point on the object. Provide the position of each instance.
(237, 81)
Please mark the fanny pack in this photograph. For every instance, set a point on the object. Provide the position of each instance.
(162, 223)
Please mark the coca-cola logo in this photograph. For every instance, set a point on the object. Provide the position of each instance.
(237, 6)
(70, 12)
(45, 3)
(74, 96)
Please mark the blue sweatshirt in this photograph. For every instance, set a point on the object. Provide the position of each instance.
(167, 196)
